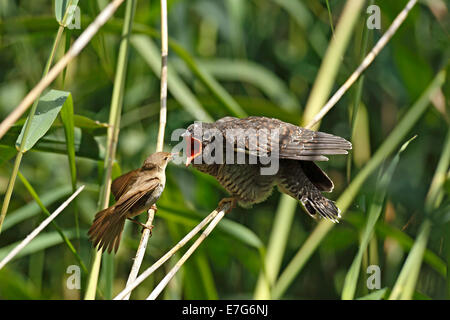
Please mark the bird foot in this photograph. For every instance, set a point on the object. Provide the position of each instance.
(147, 227)
(154, 207)
(224, 201)
(144, 226)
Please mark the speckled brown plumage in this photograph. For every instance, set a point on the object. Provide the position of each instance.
(298, 176)
(243, 181)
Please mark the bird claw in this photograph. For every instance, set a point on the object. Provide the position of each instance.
(144, 226)
(147, 227)
(224, 201)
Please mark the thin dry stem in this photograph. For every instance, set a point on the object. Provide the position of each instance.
(163, 93)
(169, 254)
(76, 48)
(160, 142)
(112, 138)
(186, 256)
(41, 227)
(364, 64)
(140, 253)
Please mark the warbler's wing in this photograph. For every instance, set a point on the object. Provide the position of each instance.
(122, 184)
(141, 188)
(106, 230)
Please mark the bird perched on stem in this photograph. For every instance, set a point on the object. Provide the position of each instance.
(261, 143)
(135, 192)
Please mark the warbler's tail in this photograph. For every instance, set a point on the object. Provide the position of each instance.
(106, 230)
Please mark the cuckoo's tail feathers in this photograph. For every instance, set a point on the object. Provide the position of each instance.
(321, 205)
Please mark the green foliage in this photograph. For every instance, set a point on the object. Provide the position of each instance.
(374, 214)
(47, 110)
(61, 7)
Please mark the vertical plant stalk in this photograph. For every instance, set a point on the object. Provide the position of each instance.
(18, 160)
(332, 60)
(407, 280)
(164, 57)
(330, 17)
(367, 234)
(362, 67)
(154, 294)
(447, 251)
(358, 94)
(276, 247)
(36, 231)
(74, 50)
(113, 134)
(159, 144)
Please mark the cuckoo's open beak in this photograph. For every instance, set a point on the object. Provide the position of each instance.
(193, 148)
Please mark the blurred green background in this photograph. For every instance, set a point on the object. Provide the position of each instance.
(229, 57)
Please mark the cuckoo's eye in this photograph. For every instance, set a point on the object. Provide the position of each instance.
(209, 135)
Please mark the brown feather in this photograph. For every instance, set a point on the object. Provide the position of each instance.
(128, 201)
(121, 184)
(135, 192)
(317, 176)
(295, 143)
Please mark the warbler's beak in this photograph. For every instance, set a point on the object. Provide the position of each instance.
(193, 148)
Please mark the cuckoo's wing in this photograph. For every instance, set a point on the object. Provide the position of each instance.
(303, 144)
(317, 176)
(263, 136)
